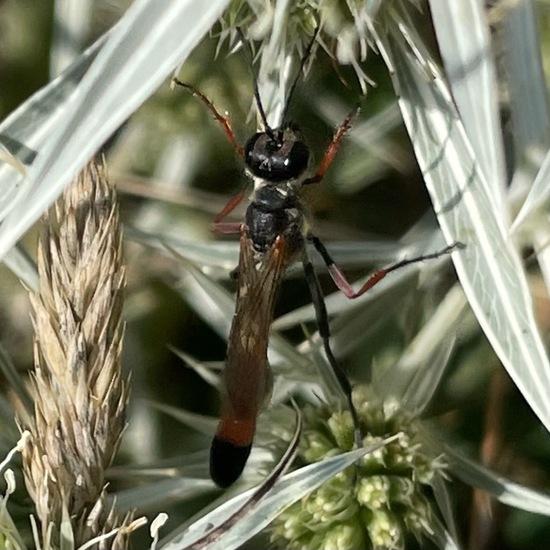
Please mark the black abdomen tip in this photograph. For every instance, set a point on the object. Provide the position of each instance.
(227, 461)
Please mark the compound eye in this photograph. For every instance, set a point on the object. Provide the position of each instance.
(277, 157)
(253, 145)
(298, 159)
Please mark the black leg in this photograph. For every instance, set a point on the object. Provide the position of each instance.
(324, 332)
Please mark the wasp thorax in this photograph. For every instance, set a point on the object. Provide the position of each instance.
(278, 155)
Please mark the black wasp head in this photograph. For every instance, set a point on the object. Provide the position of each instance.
(277, 155)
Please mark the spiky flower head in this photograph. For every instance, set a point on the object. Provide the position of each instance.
(281, 32)
(373, 505)
(341, 21)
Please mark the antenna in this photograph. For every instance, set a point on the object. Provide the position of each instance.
(267, 128)
(307, 53)
(261, 110)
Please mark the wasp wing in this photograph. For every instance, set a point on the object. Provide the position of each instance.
(247, 376)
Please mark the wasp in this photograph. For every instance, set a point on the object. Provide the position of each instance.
(275, 232)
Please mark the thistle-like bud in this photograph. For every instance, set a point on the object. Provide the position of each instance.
(374, 504)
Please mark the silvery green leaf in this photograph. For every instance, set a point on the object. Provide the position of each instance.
(10, 159)
(415, 377)
(463, 38)
(530, 119)
(504, 490)
(199, 422)
(143, 49)
(199, 367)
(221, 257)
(541, 238)
(445, 504)
(215, 255)
(29, 127)
(71, 21)
(441, 536)
(538, 195)
(157, 495)
(489, 267)
(526, 82)
(289, 489)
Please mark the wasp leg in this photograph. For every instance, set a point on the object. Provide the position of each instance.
(324, 332)
(226, 210)
(224, 121)
(342, 283)
(226, 228)
(332, 148)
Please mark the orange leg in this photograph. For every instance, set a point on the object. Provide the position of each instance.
(331, 150)
(224, 121)
(342, 283)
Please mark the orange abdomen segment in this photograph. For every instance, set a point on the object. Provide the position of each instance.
(230, 449)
